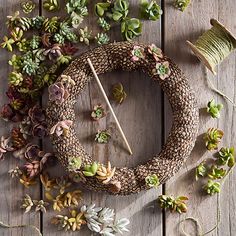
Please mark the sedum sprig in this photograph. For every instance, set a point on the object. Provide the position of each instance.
(214, 109)
(150, 10)
(216, 172)
(201, 170)
(177, 204)
(212, 138)
(226, 157)
(212, 187)
(181, 4)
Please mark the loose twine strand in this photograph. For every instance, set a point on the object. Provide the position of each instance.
(199, 228)
(215, 44)
(21, 226)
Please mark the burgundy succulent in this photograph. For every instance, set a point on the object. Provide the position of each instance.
(32, 152)
(39, 130)
(32, 168)
(69, 49)
(58, 93)
(36, 114)
(18, 140)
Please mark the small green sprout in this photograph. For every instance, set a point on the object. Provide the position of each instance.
(214, 109)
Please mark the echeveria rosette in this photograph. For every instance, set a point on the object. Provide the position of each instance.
(61, 128)
(137, 53)
(155, 52)
(74, 163)
(102, 136)
(150, 10)
(212, 138)
(162, 69)
(58, 93)
(98, 112)
(152, 181)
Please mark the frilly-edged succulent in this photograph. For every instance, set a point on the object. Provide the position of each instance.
(201, 170)
(85, 35)
(102, 136)
(177, 204)
(212, 187)
(150, 10)
(74, 163)
(104, 24)
(137, 53)
(181, 4)
(98, 112)
(226, 157)
(152, 181)
(155, 52)
(15, 172)
(51, 5)
(28, 6)
(102, 38)
(212, 138)
(61, 128)
(120, 10)
(105, 174)
(131, 28)
(118, 93)
(214, 109)
(162, 69)
(58, 93)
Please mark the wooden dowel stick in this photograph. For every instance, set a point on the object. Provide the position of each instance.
(109, 105)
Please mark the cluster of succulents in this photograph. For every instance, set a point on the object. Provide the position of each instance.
(97, 219)
(224, 161)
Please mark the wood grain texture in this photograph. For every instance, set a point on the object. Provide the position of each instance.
(11, 191)
(180, 27)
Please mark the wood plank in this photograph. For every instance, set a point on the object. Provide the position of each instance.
(140, 117)
(178, 28)
(11, 191)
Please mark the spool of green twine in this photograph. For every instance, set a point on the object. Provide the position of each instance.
(214, 45)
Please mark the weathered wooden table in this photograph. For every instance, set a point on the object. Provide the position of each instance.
(146, 119)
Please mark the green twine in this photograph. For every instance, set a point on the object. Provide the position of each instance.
(213, 46)
(21, 226)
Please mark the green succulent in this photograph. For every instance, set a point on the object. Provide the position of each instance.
(15, 62)
(212, 138)
(102, 136)
(58, 38)
(173, 204)
(120, 10)
(64, 60)
(152, 181)
(76, 20)
(74, 164)
(37, 22)
(28, 6)
(77, 6)
(104, 24)
(131, 28)
(98, 112)
(181, 4)
(214, 109)
(7, 43)
(23, 45)
(85, 35)
(12, 21)
(39, 54)
(51, 24)
(201, 170)
(101, 8)
(17, 34)
(30, 66)
(150, 10)
(66, 31)
(15, 78)
(51, 5)
(35, 42)
(212, 187)
(118, 93)
(226, 157)
(91, 170)
(216, 172)
(102, 38)
(24, 23)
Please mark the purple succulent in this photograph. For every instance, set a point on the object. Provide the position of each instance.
(5, 146)
(32, 152)
(58, 93)
(61, 127)
(39, 130)
(36, 114)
